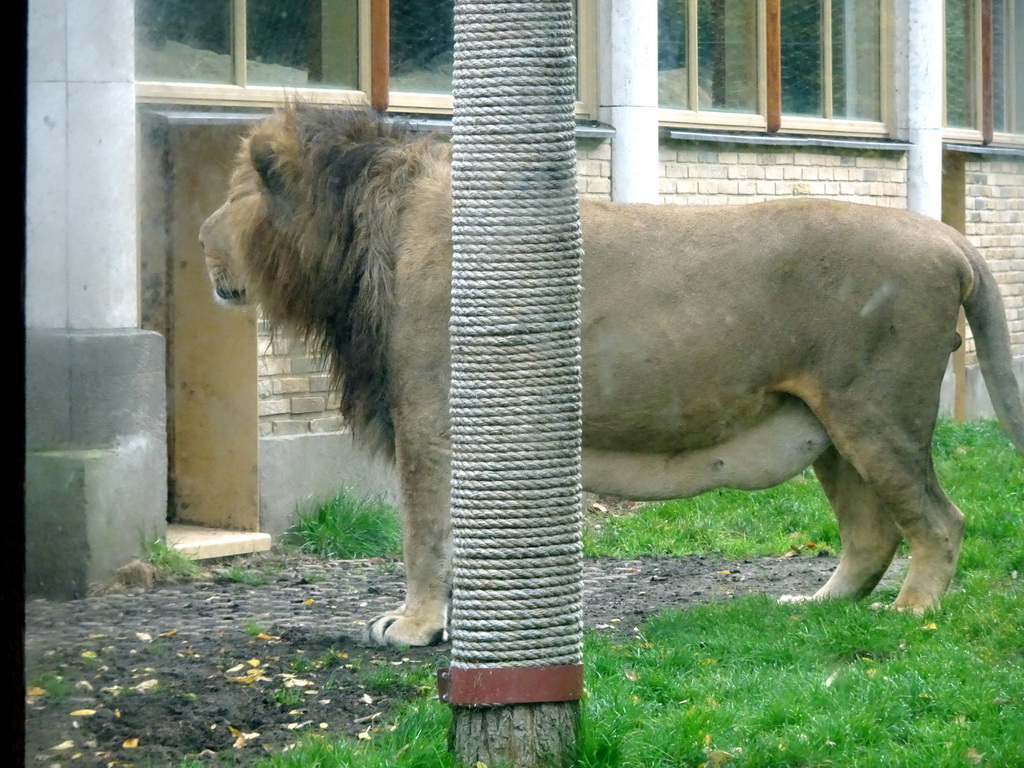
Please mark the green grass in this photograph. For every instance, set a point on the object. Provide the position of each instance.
(55, 686)
(254, 627)
(348, 527)
(247, 576)
(815, 684)
(159, 554)
(750, 683)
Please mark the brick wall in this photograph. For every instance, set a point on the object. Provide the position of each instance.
(705, 174)
(294, 396)
(995, 224)
(594, 168)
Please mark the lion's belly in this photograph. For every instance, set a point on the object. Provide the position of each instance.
(761, 456)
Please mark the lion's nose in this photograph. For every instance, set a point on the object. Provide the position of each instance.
(233, 294)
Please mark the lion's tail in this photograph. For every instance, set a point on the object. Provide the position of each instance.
(986, 314)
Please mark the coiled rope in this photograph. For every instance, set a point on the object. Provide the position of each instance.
(515, 390)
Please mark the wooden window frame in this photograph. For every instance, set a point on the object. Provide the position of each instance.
(984, 132)
(374, 76)
(770, 117)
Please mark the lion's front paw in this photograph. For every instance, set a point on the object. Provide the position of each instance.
(398, 629)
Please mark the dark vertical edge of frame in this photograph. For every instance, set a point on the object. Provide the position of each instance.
(987, 85)
(773, 64)
(380, 54)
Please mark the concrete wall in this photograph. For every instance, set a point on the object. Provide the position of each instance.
(96, 453)
(298, 471)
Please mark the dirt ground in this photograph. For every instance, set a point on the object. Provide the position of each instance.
(156, 674)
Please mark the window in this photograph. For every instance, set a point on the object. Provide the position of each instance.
(422, 45)
(713, 59)
(984, 70)
(831, 59)
(249, 52)
(1008, 66)
(282, 43)
(962, 64)
(707, 55)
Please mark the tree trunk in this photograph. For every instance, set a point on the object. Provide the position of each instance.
(520, 735)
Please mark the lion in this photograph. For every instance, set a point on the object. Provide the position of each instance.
(728, 346)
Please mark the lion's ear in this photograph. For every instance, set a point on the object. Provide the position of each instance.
(264, 160)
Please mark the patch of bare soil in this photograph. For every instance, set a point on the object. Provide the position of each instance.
(157, 674)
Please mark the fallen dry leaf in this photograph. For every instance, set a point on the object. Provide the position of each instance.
(973, 756)
(130, 743)
(35, 690)
(63, 745)
(83, 713)
(242, 738)
(147, 685)
(248, 678)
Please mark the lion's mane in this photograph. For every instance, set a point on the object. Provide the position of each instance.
(318, 197)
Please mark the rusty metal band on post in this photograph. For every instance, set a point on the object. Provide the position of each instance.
(516, 615)
(494, 686)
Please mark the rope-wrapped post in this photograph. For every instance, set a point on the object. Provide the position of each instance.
(516, 621)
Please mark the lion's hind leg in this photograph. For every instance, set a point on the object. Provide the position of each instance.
(868, 532)
(896, 468)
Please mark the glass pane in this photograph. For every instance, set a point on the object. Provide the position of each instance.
(961, 59)
(856, 58)
(801, 57)
(727, 55)
(673, 82)
(183, 41)
(1000, 74)
(302, 44)
(422, 45)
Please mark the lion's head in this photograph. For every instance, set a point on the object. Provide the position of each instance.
(308, 234)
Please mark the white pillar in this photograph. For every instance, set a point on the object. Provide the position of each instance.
(629, 95)
(82, 265)
(919, 100)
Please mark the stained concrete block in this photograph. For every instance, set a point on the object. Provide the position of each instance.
(92, 388)
(91, 511)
